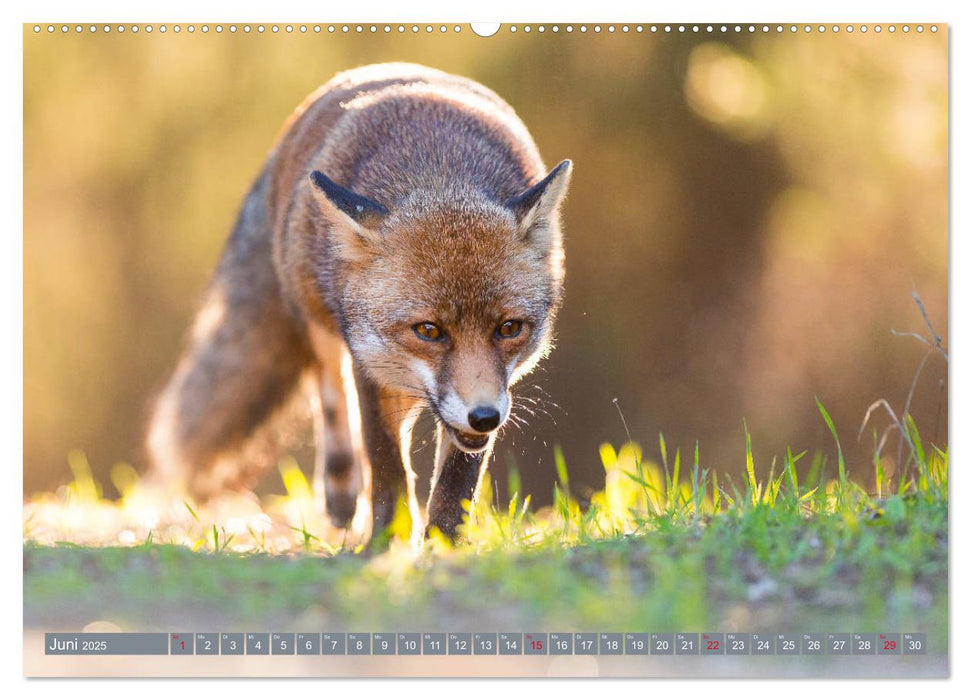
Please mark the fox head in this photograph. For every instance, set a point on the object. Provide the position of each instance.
(449, 297)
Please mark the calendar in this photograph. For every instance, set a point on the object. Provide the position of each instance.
(429, 347)
(485, 644)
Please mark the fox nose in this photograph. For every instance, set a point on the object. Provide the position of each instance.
(484, 418)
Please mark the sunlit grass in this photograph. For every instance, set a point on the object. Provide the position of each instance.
(666, 544)
(77, 513)
(639, 497)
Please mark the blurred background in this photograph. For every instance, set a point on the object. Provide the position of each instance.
(748, 219)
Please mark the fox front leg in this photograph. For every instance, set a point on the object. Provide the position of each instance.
(337, 471)
(456, 479)
(386, 418)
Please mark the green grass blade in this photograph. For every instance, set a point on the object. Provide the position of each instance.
(561, 472)
(832, 430)
(754, 486)
(674, 487)
(914, 434)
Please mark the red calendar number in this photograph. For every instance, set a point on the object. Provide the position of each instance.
(712, 645)
(890, 645)
(537, 644)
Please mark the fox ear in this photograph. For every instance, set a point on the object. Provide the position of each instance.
(354, 216)
(535, 206)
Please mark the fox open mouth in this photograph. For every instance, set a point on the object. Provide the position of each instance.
(469, 442)
(464, 440)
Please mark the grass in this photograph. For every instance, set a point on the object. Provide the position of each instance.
(665, 546)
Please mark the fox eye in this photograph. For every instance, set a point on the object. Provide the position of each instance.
(509, 329)
(429, 331)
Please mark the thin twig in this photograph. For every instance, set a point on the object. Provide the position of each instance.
(623, 420)
(927, 320)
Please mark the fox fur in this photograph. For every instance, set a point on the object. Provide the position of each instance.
(401, 250)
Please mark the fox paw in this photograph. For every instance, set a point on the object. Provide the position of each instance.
(341, 506)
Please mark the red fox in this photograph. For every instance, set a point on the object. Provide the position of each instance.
(400, 251)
